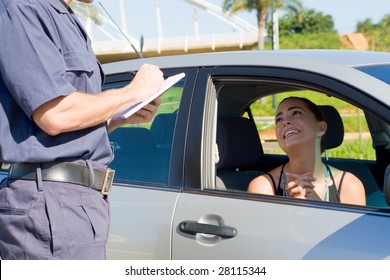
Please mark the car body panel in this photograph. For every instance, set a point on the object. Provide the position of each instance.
(270, 230)
(267, 227)
(141, 223)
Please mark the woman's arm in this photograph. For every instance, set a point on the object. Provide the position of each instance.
(261, 185)
(352, 190)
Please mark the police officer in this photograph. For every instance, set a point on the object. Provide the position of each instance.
(54, 124)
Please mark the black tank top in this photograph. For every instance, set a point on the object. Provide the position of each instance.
(334, 193)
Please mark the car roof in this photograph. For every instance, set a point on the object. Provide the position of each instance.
(336, 64)
(281, 58)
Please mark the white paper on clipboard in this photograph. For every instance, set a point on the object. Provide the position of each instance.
(169, 82)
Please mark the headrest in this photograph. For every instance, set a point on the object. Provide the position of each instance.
(238, 143)
(334, 135)
(163, 126)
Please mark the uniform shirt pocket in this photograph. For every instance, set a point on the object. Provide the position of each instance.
(82, 71)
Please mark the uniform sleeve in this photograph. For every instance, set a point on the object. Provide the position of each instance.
(32, 67)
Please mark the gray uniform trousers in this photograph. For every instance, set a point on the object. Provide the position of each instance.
(52, 220)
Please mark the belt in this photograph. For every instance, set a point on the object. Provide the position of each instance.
(66, 172)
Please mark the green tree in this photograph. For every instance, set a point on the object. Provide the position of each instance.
(262, 8)
(365, 26)
(308, 29)
(307, 22)
(377, 34)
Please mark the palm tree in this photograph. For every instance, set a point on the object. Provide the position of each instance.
(262, 8)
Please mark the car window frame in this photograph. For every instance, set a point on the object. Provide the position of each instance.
(175, 173)
(312, 81)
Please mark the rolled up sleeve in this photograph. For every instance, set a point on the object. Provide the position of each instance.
(32, 66)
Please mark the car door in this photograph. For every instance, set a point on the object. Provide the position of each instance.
(148, 174)
(212, 223)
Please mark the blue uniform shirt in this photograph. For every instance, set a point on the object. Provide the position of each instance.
(45, 53)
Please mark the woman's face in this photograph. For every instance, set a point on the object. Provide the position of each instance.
(296, 125)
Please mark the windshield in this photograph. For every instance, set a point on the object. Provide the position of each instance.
(381, 72)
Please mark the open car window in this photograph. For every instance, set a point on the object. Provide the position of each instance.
(245, 153)
(357, 142)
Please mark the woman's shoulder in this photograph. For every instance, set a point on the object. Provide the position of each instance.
(352, 189)
(275, 173)
(265, 183)
(345, 179)
(339, 174)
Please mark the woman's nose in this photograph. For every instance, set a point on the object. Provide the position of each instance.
(286, 122)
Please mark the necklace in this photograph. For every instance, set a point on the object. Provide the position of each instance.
(325, 197)
(327, 184)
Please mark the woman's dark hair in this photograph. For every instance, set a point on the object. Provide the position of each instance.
(310, 105)
(314, 109)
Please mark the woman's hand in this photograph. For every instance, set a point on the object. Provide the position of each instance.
(301, 186)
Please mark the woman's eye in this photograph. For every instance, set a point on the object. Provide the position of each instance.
(296, 113)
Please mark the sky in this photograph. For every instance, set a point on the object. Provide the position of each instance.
(177, 16)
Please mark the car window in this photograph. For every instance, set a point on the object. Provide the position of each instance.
(4, 167)
(247, 145)
(142, 152)
(357, 143)
(355, 153)
(381, 72)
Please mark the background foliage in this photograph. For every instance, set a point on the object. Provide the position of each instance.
(378, 34)
(307, 28)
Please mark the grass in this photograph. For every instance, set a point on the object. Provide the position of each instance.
(351, 149)
(356, 149)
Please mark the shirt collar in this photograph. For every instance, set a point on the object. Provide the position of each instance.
(59, 5)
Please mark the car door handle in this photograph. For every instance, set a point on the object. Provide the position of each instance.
(192, 227)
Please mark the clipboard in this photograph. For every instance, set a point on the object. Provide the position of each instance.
(169, 82)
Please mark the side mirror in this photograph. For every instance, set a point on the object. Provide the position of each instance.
(386, 185)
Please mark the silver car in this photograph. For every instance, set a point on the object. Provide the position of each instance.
(180, 187)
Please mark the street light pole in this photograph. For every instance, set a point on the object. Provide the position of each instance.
(275, 39)
(196, 25)
(275, 27)
(122, 9)
(159, 22)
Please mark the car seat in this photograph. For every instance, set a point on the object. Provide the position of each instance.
(239, 149)
(333, 138)
(163, 127)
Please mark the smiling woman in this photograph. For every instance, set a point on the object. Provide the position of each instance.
(300, 127)
(357, 143)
